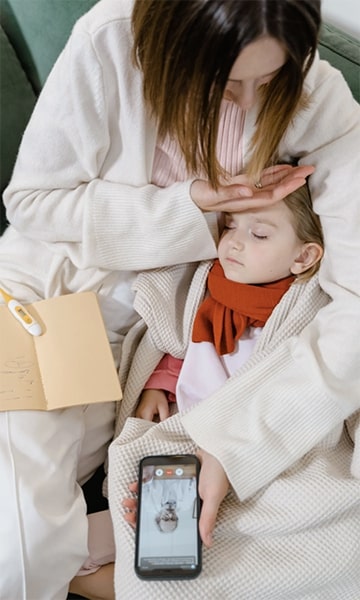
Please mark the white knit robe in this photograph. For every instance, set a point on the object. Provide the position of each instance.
(296, 536)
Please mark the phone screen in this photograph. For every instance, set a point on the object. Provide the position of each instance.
(167, 538)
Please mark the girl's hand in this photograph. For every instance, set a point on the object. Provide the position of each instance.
(213, 487)
(239, 193)
(153, 406)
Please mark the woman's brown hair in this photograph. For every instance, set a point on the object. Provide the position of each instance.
(186, 49)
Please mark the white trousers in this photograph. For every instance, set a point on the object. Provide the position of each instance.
(44, 458)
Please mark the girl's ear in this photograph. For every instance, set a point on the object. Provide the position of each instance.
(310, 254)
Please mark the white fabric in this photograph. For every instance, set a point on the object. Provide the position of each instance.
(76, 173)
(43, 525)
(297, 535)
(297, 538)
(204, 372)
(83, 215)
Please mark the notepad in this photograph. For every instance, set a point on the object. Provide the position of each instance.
(70, 364)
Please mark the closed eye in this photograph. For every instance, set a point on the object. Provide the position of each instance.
(259, 237)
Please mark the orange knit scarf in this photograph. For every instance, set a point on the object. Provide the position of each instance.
(231, 307)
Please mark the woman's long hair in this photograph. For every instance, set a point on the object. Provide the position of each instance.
(186, 49)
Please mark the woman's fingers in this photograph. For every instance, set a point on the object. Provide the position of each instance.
(209, 200)
(286, 187)
(130, 518)
(240, 194)
(133, 487)
(261, 197)
(130, 505)
(275, 175)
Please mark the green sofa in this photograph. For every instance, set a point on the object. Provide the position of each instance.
(32, 34)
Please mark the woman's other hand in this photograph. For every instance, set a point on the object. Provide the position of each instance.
(213, 487)
(238, 193)
(130, 505)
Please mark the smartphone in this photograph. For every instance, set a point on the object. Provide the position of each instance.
(168, 544)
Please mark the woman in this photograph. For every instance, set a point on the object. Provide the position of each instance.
(99, 193)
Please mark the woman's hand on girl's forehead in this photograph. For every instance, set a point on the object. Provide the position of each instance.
(281, 180)
(239, 193)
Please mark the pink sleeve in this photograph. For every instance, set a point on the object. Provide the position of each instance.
(165, 376)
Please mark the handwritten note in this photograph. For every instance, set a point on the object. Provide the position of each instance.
(20, 378)
(70, 364)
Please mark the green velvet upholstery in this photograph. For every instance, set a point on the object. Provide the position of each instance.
(343, 52)
(38, 30)
(32, 34)
(17, 99)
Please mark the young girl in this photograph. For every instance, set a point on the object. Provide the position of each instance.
(260, 254)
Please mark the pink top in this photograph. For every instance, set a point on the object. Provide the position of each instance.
(169, 165)
(165, 376)
(202, 372)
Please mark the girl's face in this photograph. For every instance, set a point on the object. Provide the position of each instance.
(259, 245)
(256, 65)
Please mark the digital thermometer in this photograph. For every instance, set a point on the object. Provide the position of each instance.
(21, 314)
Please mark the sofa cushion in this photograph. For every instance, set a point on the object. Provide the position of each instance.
(38, 30)
(343, 52)
(17, 99)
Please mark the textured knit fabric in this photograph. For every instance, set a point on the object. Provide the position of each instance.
(83, 216)
(231, 307)
(83, 213)
(292, 534)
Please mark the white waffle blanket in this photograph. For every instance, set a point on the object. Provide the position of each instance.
(295, 538)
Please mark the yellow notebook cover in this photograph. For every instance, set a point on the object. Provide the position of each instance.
(71, 363)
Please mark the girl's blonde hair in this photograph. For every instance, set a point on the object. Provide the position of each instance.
(306, 223)
(186, 49)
